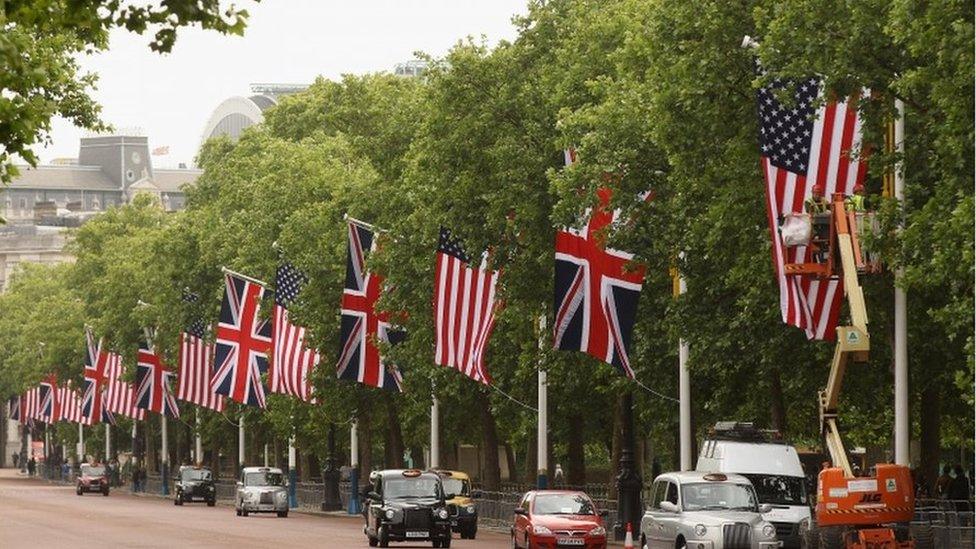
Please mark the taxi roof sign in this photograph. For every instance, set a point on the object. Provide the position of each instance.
(411, 472)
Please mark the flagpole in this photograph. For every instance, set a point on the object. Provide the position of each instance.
(80, 448)
(198, 442)
(684, 395)
(354, 506)
(240, 442)
(164, 472)
(225, 270)
(902, 452)
(542, 432)
(435, 428)
(363, 224)
(292, 473)
(135, 457)
(108, 441)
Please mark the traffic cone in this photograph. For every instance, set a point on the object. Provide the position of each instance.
(629, 538)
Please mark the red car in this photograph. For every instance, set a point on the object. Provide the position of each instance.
(93, 478)
(547, 519)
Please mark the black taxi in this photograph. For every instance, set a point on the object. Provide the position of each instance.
(193, 483)
(406, 505)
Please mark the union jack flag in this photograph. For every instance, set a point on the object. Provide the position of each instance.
(93, 407)
(196, 359)
(50, 411)
(153, 383)
(595, 294)
(802, 146)
(243, 343)
(293, 360)
(362, 326)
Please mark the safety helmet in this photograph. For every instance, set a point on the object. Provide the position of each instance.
(818, 190)
(858, 189)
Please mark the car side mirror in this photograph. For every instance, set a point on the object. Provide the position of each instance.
(240, 484)
(520, 511)
(477, 494)
(765, 508)
(373, 496)
(669, 507)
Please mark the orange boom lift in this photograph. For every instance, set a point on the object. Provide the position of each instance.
(852, 512)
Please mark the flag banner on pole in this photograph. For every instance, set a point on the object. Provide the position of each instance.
(70, 404)
(596, 294)
(13, 408)
(32, 405)
(196, 360)
(153, 383)
(292, 361)
(464, 309)
(802, 146)
(93, 407)
(362, 326)
(119, 395)
(243, 343)
(50, 410)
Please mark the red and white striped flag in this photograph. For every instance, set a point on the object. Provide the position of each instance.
(464, 309)
(292, 360)
(196, 356)
(31, 405)
(70, 402)
(119, 395)
(803, 146)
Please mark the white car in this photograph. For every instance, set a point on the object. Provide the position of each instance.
(693, 510)
(771, 465)
(261, 490)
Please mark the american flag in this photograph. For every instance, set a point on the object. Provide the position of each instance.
(30, 405)
(362, 325)
(119, 395)
(13, 408)
(50, 411)
(293, 361)
(243, 343)
(804, 145)
(464, 309)
(70, 403)
(196, 358)
(154, 383)
(596, 294)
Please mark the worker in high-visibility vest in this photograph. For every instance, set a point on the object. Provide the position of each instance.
(857, 201)
(819, 211)
(817, 204)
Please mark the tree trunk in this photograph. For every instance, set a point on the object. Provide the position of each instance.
(930, 436)
(575, 458)
(492, 477)
(394, 437)
(777, 405)
(510, 458)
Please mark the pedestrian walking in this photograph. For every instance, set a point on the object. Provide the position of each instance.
(16, 458)
(959, 489)
(557, 476)
(31, 466)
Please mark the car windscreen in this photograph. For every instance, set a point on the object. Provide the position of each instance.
(261, 478)
(562, 504)
(705, 496)
(455, 486)
(93, 471)
(779, 489)
(195, 474)
(411, 488)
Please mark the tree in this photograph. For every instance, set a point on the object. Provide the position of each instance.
(39, 72)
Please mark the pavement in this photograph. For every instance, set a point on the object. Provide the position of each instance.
(39, 514)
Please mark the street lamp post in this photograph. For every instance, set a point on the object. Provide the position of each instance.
(330, 477)
(628, 480)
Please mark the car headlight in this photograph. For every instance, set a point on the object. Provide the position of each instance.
(598, 531)
(389, 514)
(541, 530)
(442, 513)
(769, 530)
(281, 496)
(700, 530)
(470, 509)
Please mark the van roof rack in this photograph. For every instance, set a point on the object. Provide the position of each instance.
(744, 431)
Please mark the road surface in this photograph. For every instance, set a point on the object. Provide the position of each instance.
(38, 514)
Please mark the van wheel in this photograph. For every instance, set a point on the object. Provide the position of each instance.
(282, 514)
(384, 536)
(238, 511)
(373, 542)
(244, 512)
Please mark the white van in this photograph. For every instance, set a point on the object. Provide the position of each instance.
(772, 466)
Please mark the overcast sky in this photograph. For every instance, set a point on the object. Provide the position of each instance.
(170, 97)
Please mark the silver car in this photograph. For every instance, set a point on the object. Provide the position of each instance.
(261, 490)
(696, 510)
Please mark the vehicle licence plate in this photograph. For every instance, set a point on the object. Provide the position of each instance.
(266, 507)
(416, 534)
(570, 541)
